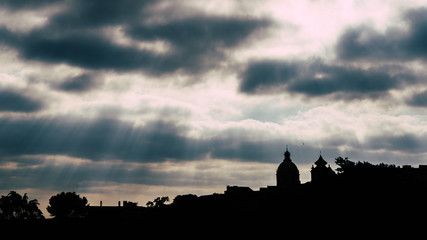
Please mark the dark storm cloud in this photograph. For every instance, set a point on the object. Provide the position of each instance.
(82, 14)
(404, 142)
(101, 139)
(264, 77)
(80, 83)
(240, 149)
(106, 139)
(418, 99)
(345, 82)
(26, 4)
(14, 101)
(87, 50)
(75, 37)
(197, 41)
(109, 139)
(43, 174)
(395, 44)
(315, 78)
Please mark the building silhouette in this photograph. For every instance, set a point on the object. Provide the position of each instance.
(320, 174)
(287, 174)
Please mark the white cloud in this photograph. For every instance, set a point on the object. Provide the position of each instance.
(13, 20)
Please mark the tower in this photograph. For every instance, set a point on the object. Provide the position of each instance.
(322, 174)
(287, 174)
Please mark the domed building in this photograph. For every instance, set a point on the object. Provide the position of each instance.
(287, 174)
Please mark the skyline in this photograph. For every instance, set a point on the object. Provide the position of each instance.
(132, 100)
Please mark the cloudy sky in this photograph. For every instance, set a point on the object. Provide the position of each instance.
(130, 100)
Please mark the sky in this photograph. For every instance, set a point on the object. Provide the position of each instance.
(131, 100)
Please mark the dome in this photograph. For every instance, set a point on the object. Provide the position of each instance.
(287, 172)
(287, 168)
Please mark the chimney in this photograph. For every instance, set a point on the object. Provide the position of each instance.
(119, 203)
(100, 203)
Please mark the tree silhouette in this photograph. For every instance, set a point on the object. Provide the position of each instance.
(67, 205)
(344, 164)
(368, 174)
(348, 167)
(187, 199)
(158, 202)
(17, 207)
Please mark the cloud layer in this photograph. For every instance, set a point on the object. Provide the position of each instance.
(76, 37)
(14, 101)
(316, 78)
(394, 44)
